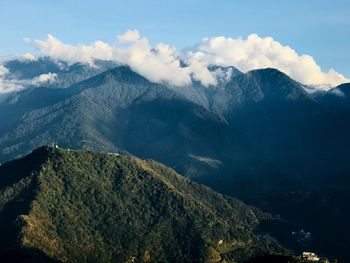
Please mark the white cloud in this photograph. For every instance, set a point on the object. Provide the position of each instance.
(256, 52)
(161, 63)
(29, 57)
(198, 68)
(3, 71)
(8, 85)
(129, 36)
(44, 79)
(56, 49)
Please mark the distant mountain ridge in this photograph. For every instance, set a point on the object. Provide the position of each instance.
(337, 98)
(66, 74)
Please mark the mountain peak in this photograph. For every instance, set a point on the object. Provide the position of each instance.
(342, 90)
(233, 70)
(269, 73)
(122, 73)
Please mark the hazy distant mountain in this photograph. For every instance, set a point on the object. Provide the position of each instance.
(66, 74)
(343, 88)
(85, 206)
(337, 99)
(28, 69)
(204, 96)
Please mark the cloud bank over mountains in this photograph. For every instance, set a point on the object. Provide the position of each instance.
(8, 85)
(256, 52)
(164, 63)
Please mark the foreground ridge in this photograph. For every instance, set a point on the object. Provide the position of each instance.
(82, 206)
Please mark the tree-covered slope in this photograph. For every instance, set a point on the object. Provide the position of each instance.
(281, 119)
(33, 97)
(79, 206)
(120, 110)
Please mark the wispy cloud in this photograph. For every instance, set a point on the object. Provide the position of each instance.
(9, 84)
(56, 49)
(338, 92)
(46, 78)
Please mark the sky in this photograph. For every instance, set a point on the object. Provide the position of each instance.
(318, 28)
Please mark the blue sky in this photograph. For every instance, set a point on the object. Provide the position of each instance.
(316, 27)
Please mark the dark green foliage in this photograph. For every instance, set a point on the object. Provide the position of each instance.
(276, 259)
(81, 206)
(257, 136)
(25, 255)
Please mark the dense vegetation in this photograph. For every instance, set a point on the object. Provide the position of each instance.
(258, 136)
(120, 110)
(81, 206)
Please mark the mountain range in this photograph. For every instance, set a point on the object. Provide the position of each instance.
(258, 136)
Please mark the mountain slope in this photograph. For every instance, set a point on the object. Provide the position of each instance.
(279, 117)
(85, 206)
(337, 99)
(120, 110)
(230, 137)
(307, 139)
(33, 97)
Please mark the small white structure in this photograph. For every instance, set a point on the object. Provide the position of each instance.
(55, 145)
(116, 154)
(310, 256)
